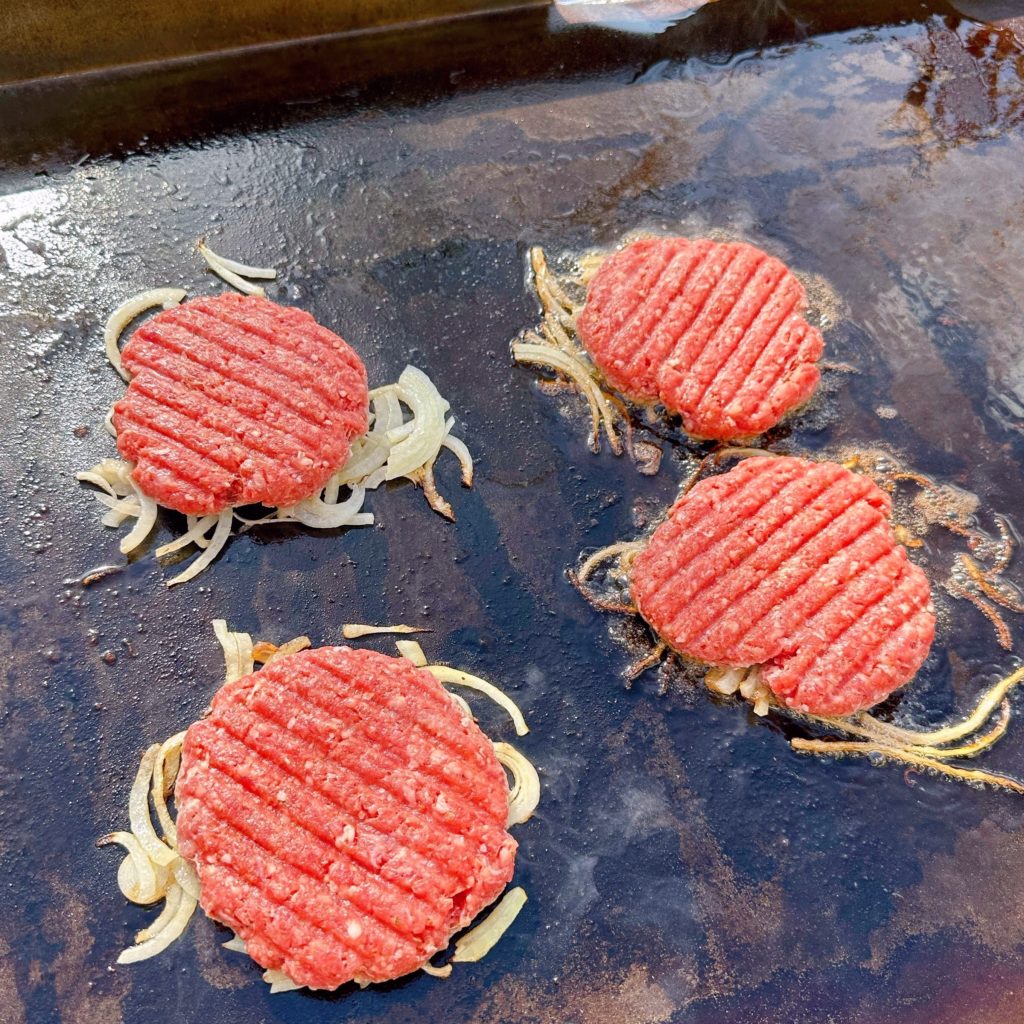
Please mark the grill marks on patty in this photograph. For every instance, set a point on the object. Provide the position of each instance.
(344, 816)
(236, 400)
(713, 330)
(791, 565)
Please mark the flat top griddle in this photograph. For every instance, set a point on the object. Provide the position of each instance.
(685, 865)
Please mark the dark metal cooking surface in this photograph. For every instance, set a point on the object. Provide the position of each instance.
(685, 865)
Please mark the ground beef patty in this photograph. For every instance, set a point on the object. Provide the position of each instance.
(791, 565)
(236, 400)
(344, 815)
(713, 330)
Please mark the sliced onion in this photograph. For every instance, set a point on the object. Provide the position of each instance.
(458, 446)
(437, 972)
(111, 475)
(263, 273)
(400, 433)
(123, 499)
(140, 883)
(138, 812)
(461, 701)
(202, 541)
(221, 268)
(118, 509)
(724, 680)
(279, 981)
(424, 476)
(444, 674)
(172, 762)
(551, 294)
(368, 453)
(124, 506)
(266, 653)
(387, 410)
(238, 651)
(411, 651)
(143, 525)
(129, 884)
(479, 941)
(235, 944)
(572, 367)
(118, 472)
(355, 630)
(195, 534)
(418, 392)
(751, 684)
(185, 875)
(127, 312)
(525, 792)
(293, 646)
(172, 900)
(220, 537)
(158, 942)
(589, 264)
(88, 476)
(163, 782)
(116, 518)
(319, 515)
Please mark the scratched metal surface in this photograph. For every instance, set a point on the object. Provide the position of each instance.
(685, 864)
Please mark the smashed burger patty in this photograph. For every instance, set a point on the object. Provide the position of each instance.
(235, 400)
(791, 565)
(345, 817)
(712, 330)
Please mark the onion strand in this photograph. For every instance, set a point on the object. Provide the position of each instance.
(172, 900)
(437, 972)
(140, 885)
(280, 982)
(411, 651)
(163, 782)
(144, 524)
(355, 630)
(244, 269)
(525, 792)
(138, 812)
(458, 447)
(416, 390)
(185, 875)
(127, 312)
(161, 940)
(154, 869)
(195, 534)
(571, 366)
(221, 533)
(557, 348)
(445, 674)
(230, 272)
(479, 941)
(265, 653)
(905, 755)
(238, 651)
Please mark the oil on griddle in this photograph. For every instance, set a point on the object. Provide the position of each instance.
(684, 865)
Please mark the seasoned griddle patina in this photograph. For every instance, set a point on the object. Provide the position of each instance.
(684, 865)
